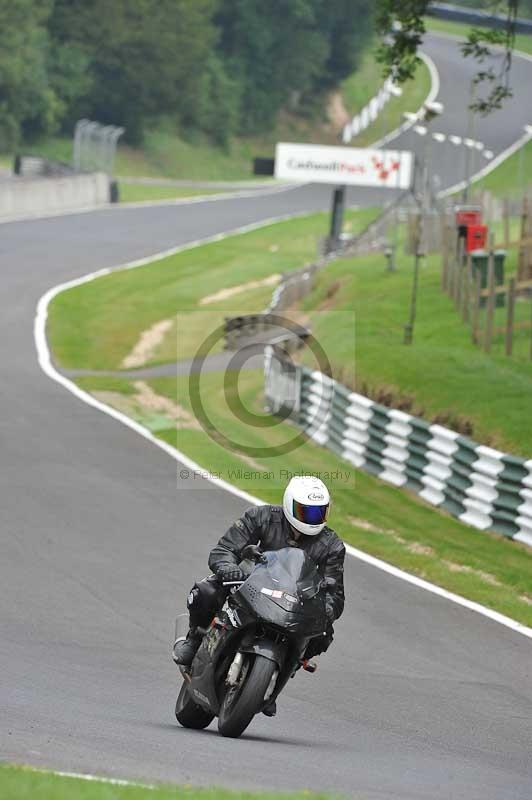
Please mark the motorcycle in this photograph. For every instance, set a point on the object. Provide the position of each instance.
(256, 643)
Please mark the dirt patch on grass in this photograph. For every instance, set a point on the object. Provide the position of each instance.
(231, 291)
(487, 577)
(426, 550)
(148, 342)
(337, 112)
(145, 402)
(151, 401)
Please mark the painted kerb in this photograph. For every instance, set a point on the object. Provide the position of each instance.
(482, 487)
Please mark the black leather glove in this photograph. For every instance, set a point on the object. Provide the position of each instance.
(229, 572)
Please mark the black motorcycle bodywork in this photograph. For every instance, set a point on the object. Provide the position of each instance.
(272, 616)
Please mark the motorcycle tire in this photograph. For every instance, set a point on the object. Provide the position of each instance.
(237, 711)
(188, 713)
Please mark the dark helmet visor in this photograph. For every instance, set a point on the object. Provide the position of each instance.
(310, 515)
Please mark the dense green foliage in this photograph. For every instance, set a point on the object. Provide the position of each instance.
(215, 66)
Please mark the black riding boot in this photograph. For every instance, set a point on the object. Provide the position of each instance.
(185, 649)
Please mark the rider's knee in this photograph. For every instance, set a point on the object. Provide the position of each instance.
(203, 601)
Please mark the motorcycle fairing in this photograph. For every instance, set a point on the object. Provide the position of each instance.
(286, 573)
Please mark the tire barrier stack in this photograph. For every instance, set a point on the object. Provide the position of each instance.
(266, 325)
(264, 328)
(482, 487)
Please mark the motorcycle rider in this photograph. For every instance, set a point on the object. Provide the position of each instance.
(299, 522)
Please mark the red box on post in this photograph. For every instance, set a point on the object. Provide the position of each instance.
(468, 216)
(476, 238)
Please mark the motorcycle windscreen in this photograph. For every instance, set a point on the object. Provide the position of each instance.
(285, 591)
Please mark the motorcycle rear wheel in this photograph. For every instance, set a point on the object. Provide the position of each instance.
(238, 710)
(188, 713)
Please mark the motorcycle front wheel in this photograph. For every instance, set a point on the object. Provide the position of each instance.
(188, 713)
(239, 707)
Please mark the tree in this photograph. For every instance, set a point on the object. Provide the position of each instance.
(146, 57)
(26, 98)
(348, 27)
(273, 51)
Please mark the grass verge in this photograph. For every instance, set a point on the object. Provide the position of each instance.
(387, 522)
(512, 177)
(442, 376)
(20, 783)
(137, 192)
(96, 325)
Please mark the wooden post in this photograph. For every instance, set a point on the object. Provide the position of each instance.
(445, 258)
(490, 305)
(531, 329)
(476, 309)
(522, 268)
(451, 266)
(458, 274)
(466, 288)
(510, 309)
(506, 220)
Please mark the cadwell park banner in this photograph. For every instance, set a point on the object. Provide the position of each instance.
(310, 163)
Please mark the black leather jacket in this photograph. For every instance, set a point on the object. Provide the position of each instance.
(268, 526)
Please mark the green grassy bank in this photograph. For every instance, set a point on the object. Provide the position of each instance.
(512, 177)
(131, 192)
(97, 324)
(19, 783)
(442, 376)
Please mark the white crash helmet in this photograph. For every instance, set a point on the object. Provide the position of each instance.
(306, 504)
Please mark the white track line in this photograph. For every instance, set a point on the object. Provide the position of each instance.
(46, 364)
(83, 776)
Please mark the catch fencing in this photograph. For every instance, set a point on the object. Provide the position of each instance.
(482, 487)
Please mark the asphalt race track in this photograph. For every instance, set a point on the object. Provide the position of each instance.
(419, 698)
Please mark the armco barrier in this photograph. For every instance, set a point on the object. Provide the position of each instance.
(482, 487)
(22, 197)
